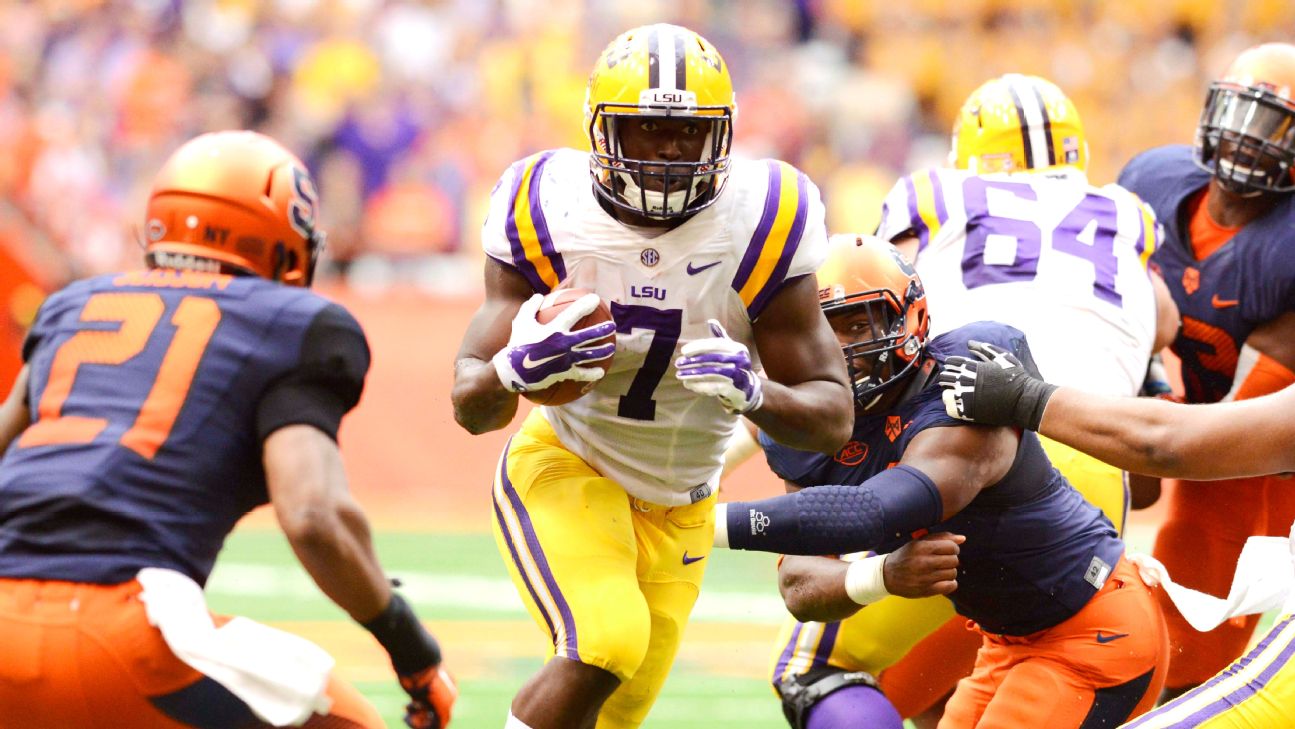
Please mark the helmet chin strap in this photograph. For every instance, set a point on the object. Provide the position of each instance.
(657, 201)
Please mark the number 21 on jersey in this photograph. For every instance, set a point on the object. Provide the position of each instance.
(195, 320)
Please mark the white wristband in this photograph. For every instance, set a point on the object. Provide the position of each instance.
(864, 580)
(721, 526)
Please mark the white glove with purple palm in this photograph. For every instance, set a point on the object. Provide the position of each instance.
(720, 367)
(540, 355)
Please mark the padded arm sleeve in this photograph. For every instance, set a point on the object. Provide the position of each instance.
(895, 503)
(327, 381)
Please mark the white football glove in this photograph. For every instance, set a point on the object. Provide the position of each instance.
(541, 355)
(720, 367)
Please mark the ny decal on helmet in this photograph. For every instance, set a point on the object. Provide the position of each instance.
(237, 202)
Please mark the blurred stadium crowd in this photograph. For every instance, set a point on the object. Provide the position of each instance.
(407, 111)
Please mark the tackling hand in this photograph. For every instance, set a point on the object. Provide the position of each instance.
(540, 355)
(720, 367)
(996, 390)
(924, 567)
(432, 693)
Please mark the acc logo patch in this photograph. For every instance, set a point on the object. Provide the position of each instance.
(852, 453)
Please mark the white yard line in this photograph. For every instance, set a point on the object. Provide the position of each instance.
(486, 595)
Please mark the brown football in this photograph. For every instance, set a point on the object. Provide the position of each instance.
(570, 390)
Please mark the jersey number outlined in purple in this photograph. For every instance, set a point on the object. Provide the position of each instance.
(1087, 232)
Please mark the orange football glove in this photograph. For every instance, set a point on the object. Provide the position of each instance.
(433, 693)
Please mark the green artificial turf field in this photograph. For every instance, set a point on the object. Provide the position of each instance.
(459, 586)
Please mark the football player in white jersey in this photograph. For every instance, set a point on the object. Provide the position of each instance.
(1014, 232)
(1011, 232)
(603, 507)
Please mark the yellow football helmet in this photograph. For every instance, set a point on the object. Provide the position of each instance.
(1246, 135)
(1016, 123)
(659, 70)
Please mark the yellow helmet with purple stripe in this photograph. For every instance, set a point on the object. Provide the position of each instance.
(1018, 123)
(667, 71)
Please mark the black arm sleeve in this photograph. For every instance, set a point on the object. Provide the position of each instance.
(327, 381)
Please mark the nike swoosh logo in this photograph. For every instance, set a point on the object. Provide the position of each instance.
(1110, 637)
(1223, 303)
(530, 364)
(693, 271)
(690, 560)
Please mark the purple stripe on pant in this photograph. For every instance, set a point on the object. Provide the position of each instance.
(570, 647)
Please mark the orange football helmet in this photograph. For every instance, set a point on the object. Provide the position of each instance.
(1246, 135)
(877, 306)
(237, 202)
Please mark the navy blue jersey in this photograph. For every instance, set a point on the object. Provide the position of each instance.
(1248, 281)
(1036, 551)
(150, 394)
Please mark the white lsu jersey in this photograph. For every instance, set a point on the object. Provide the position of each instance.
(1048, 253)
(639, 425)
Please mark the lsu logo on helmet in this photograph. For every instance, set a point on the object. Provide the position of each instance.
(659, 71)
(1018, 123)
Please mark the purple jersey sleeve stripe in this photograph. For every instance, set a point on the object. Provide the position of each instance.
(564, 642)
(520, 228)
(756, 245)
(520, 261)
(919, 225)
(937, 191)
(776, 280)
(541, 222)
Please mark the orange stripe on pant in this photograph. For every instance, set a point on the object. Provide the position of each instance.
(1100, 667)
(81, 655)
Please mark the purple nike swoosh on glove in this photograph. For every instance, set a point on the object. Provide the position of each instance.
(558, 352)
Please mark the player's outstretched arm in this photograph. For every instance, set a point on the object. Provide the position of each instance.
(14, 415)
(808, 403)
(1224, 440)
(824, 589)
(941, 471)
(330, 536)
(1146, 435)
